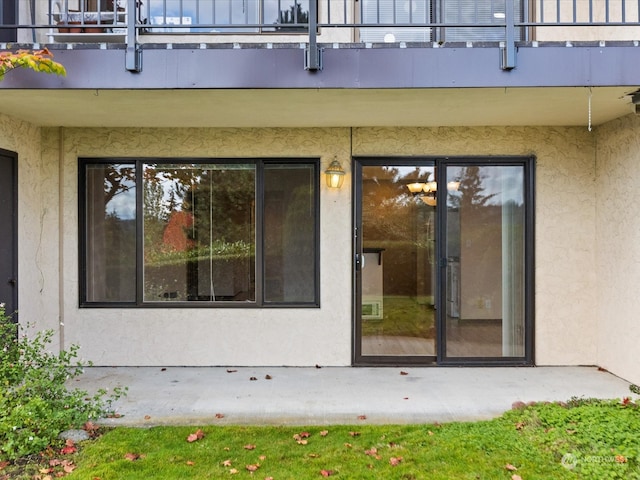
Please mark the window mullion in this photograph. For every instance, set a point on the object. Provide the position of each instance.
(259, 234)
(139, 233)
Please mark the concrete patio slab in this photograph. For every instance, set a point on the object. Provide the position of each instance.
(337, 395)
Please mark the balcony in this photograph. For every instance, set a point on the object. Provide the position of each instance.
(332, 21)
(396, 22)
(409, 55)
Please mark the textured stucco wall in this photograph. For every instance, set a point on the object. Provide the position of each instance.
(37, 226)
(566, 302)
(217, 336)
(618, 246)
(565, 217)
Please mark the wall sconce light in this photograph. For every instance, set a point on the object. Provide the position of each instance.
(335, 174)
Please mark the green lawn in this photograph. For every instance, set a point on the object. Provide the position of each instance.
(597, 439)
(402, 316)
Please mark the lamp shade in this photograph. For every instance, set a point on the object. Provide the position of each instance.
(335, 175)
(416, 187)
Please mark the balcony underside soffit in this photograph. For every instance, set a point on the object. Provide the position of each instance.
(552, 106)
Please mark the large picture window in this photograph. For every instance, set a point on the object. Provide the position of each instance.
(199, 233)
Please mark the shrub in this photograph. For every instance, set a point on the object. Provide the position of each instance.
(36, 404)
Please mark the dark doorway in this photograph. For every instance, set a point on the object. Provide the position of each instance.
(8, 232)
(8, 16)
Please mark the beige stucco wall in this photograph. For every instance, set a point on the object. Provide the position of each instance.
(565, 215)
(566, 303)
(37, 226)
(618, 246)
(217, 336)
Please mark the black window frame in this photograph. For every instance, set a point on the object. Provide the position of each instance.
(139, 163)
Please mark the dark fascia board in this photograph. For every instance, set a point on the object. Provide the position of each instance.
(350, 66)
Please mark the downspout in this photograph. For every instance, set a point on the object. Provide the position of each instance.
(61, 236)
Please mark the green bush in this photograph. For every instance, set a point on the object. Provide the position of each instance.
(36, 404)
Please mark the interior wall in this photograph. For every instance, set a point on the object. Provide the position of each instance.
(618, 247)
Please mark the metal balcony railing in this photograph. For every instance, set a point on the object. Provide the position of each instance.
(136, 22)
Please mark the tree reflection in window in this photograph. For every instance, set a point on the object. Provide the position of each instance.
(199, 224)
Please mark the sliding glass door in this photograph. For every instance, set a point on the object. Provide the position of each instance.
(443, 261)
(396, 263)
(486, 253)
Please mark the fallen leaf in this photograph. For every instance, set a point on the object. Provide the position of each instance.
(197, 435)
(250, 446)
(69, 447)
(348, 445)
(318, 366)
(324, 433)
(219, 415)
(90, 427)
(132, 456)
(163, 369)
(69, 468)
(231, 371)
(233, 471)
(519, 425)
(326, 473)
(253, 378)
(404, 373)
(313, 455)
(510, 467)
(430, 433)
(362, 417)
(147, 417)
(262, 458)
(406, 398)
(268, 377)
(252, 467)
(302, 442)
(372, 451)
(354, 434)
(393, 461)
(190, 463)
(516, 477)
(3, 465)
(226, 463)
